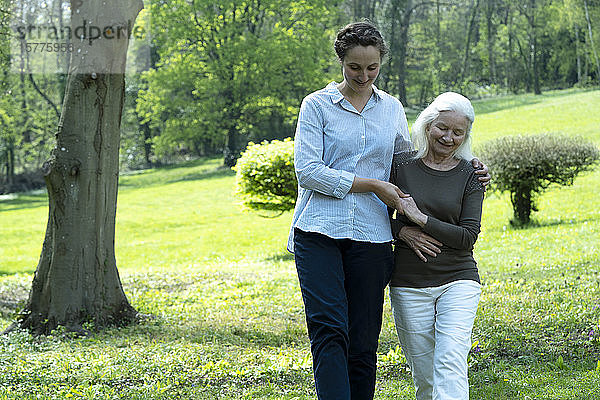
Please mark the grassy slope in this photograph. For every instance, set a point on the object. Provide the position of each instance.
(229, 320)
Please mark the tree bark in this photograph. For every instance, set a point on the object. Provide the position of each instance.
(533, 47)
(470, 27)
(401, 48)
(491, 35)
(589, 24)
(363, 9)
(577, 54)
(76, 280)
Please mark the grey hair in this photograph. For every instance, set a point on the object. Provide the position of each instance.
(448, 101)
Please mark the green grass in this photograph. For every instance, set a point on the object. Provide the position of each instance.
(228, 319)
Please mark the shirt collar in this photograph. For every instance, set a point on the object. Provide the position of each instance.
(337, 96)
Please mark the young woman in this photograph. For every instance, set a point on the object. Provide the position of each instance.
(345, 139)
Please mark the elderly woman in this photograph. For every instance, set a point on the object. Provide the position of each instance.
(434, 299)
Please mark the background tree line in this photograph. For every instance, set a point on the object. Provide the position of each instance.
(221, 74)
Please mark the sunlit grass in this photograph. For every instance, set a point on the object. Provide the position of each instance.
(227, 315)
(166, 218)
(571, 112)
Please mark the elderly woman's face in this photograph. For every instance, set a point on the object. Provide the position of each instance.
(447, 132)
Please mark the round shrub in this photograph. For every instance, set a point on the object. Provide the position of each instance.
(265, 176)
(526, 165)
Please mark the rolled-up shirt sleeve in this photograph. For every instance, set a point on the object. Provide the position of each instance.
(311, 171)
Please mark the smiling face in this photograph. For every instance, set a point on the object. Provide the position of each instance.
(360, 68)
(446, 133)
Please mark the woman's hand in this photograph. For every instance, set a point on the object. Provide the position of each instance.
(390, 194)
(387, 192)
(482, 170)
(420, 242)
(412, 212)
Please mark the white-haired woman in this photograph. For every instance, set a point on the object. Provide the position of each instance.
(434, 298)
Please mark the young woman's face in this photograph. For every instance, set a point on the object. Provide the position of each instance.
(361, 67)
(447, 132)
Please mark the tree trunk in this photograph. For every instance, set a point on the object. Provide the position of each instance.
(402, 52)
(10, 164)
(533, 48)
(491, 35)
(577, 54)
(76, 280)
(510, 71)
(363, 9)
(589, 24)
(523, 205)
(472, 20)
(231, 152)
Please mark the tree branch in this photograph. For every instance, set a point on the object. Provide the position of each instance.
(37, 89)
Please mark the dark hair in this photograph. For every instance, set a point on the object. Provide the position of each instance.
(361, 33)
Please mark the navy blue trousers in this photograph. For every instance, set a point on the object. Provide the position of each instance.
(342, 283)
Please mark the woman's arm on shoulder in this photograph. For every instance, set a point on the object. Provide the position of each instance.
(482, 171)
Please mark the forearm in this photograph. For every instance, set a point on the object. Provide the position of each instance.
(364, 185)
(463, 234)
(317, 176)
(454, 236)
(387, 192)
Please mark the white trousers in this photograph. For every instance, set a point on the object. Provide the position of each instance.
(434, 327)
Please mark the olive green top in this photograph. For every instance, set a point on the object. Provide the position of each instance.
(452, 200)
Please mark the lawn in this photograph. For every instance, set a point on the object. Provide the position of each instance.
(227, 317)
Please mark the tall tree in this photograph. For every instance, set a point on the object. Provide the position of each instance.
(7, 133)
(234, 71)
(364, 9)
(474, 11)
(398, 17)
(491, 28)
(591, 35)
(530, 10)
(76, 279)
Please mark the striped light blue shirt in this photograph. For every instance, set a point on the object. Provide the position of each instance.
(333, 144)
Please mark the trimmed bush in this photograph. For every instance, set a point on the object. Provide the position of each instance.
(526, 165)
(265, 176)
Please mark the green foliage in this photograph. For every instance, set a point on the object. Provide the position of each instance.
(265, 176)
(526, 165)
(4, 32)
(228, 315)
(229, 73)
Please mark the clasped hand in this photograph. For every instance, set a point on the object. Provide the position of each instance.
(395, 198)
(420, 242)
(412, 212)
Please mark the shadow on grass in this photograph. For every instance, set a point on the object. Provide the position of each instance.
(219, 172)
(534, 223)
(284, 256)
(24, 201)
(241, 335)
(13, 296)
(203, 170)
